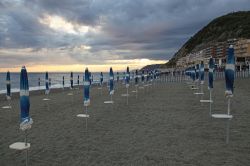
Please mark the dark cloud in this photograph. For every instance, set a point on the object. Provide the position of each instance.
(128, 29)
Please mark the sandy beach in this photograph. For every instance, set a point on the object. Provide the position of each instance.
(166, 125)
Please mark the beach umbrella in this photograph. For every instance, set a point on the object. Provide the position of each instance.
(8, 91)
(201, 79)
(101, 82)
(127, 79)
(39, 82)
(117, 77)
(86, 97)
(46, 83)
(142, 80)
(78, 81)
(101, 78)
(90, 80)
(63, 82)
(8, 86)
(229, 78)
(25, 119)
(71, 80)
(136, 82)
(111, 86)
(210, 84)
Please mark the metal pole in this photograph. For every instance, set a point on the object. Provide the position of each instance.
(210, 103)
(86, 126)
(228, 112)
(26, 144)
(127, 95)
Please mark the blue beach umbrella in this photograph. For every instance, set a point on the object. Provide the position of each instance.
(26, 121)
(46, 83)
(211, 74)
(127, 77)
(78, 80)
(63, 81)
(229, 72)
(136, 77)
(111, 81)
(124, 77)
(193, 73)
(117, 77)
(71, 80)
(8, 86)
(101, 78)
(202, 72)
(197, 72)
(86, 87)
(142, 76)
(39, 82)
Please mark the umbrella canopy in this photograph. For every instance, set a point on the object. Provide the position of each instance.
(127, 76)
(26, 121)
(197, 71)
(39, 82)
(71, 80)
(229, 72)
(8, 85)
(111, 81)
(202, 72)
(117, 76)
(136, 77)
(142, 76)
(63, 81)
(86, 87)
(211, 74)
(78, 80)
(46, 83)
(101, 78)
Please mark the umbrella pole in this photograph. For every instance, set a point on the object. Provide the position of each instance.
(127, 95)
(210, 103)
(136, 92)
(228, 112)
(26, 144)
(86, 119)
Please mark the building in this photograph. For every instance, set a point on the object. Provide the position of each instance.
(242, 53)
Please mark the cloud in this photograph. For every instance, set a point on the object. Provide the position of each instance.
(98, 31)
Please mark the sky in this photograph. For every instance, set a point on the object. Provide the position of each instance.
(69, 35)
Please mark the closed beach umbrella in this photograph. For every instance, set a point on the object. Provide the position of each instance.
(46, 83)
(86, 87)
(136, 77)
(193, 73)
(197, 72)
(78, 80)
(127, 77)
(8, 86)
(142, 76)
(90, 81)
(71, 80)
(229, 72)
(101, 78)
(117, 77)
(63, 81)
(202, 72)
(111, 81)
(26, 121)
(211, 74)
(39, 82)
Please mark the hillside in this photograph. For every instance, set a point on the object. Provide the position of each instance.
(232, 25)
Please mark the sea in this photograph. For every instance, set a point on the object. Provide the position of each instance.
(56, 80)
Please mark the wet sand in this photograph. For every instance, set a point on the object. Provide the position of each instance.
(166, 125)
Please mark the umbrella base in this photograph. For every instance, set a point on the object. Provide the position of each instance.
(82, 116)
(125, 95)
(46, 99)
(108, 102)
(222, 116)
(194, 88)
(70, 94)
(20, 146)
(206, 101)
(134, 91)
(199, 93)
(141, 87)
(6, 107)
